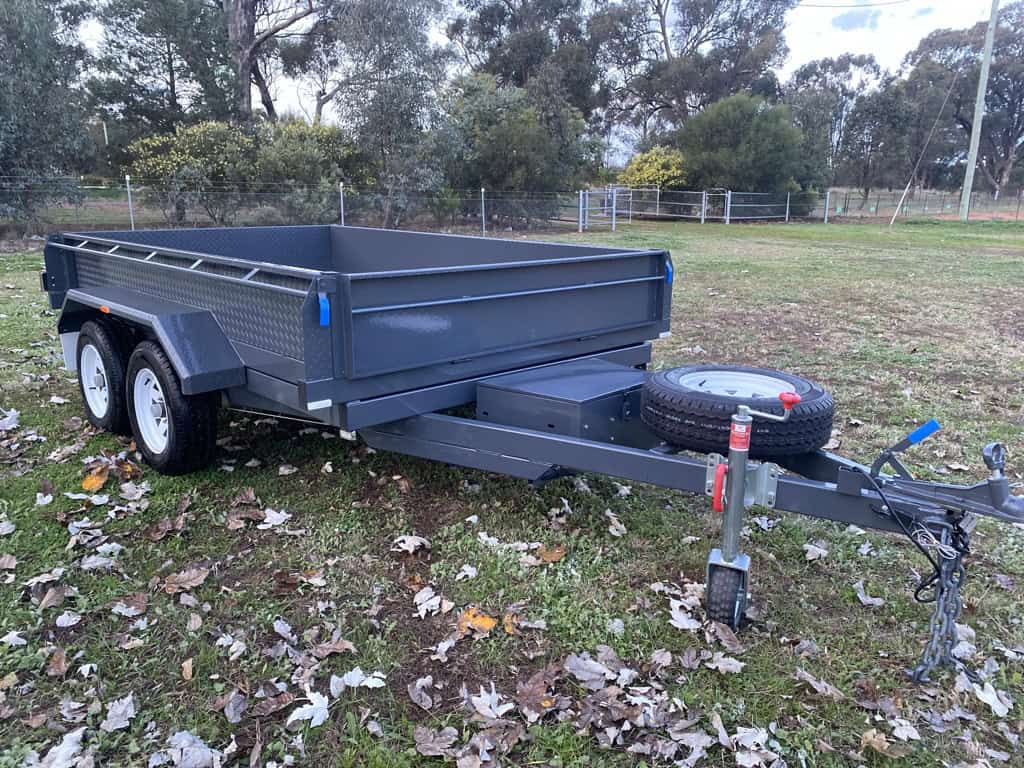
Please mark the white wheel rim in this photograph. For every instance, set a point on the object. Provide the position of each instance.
(150, 410)
(93, 375)
(739, 384)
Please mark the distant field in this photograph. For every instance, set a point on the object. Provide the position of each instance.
(925, 321)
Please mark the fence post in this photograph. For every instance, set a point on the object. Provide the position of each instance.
(579, 211)
(828, 202)
(787, 206)
(1020, 198)
(657, 202)
(614, 196)
(728, 205)
(630, 206)
(341, 201)
(703, 205)
(131, 208)
(483, 213)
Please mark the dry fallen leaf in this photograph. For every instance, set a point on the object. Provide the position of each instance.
(476, 620)
(131, 605)
(418, 692)
(815, 551)
(58, 664)
(185, 580)
(336, 645)
(819, 686)
(186, 669)
(878, 742)
(272, 704)
(96, 479)
(315, 712)
(722, 663)
(119, 713)
(865, 598)
(433, 743)
(551, 554)
(160, 529)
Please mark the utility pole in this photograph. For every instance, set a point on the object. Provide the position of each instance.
(979, 113)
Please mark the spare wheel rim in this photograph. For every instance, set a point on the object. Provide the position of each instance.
(150, 410)
(745, 385)
(93, 375)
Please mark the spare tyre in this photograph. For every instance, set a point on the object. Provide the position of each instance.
(691, 408)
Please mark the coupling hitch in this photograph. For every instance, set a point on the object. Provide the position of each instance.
(727, 483)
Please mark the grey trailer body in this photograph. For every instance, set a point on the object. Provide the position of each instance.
(385, 331)
(322, 317)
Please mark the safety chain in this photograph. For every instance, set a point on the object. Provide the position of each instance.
(950, 551)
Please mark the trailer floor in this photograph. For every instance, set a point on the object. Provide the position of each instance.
(905, 326)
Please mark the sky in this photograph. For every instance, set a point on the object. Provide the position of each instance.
(889, 29)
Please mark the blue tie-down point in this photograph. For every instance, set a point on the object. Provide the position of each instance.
(325, 310)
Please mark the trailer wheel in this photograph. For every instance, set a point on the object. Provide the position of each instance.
(101, 369)
(726, 596)
(691, 408)
(177, 433)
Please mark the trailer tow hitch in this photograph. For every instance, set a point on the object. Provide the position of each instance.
(941, 529)
(938, 518)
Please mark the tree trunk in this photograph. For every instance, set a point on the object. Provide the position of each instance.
(661, 8)
(241, 23)
(172, 85)
(264, 89)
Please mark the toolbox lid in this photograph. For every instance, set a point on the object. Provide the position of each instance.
(576, 381)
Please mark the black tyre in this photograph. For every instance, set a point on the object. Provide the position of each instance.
(177, 433)
(101, 371)
(726, 596)
(691, 408)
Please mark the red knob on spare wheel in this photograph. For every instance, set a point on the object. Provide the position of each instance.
(718, 489)
(789, 399)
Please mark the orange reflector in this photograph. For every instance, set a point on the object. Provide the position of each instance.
(105, 309)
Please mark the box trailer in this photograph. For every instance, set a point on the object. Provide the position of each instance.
(523, 358)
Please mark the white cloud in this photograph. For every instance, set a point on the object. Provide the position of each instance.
(888, 32)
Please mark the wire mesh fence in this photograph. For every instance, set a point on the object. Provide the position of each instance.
(38, 205)
(929, 203)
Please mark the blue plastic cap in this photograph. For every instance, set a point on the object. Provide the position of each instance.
(325, 310)
(927, 429)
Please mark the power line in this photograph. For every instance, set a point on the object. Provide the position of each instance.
(854, 5)
(927, 141)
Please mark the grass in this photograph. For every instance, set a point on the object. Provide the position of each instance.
(904, 325)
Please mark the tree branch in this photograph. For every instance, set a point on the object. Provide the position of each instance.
(282, 25)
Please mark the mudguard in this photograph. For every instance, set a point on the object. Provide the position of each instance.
(196, 345)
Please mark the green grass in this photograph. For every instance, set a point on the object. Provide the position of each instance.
(904, 325)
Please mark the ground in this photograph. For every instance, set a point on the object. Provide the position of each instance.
(920, 322)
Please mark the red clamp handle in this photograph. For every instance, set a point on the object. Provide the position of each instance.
(718, 489)
(789, 399)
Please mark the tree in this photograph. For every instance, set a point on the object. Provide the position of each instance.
(672, 58)
(209, 164)
(502, 139)
(42, 130)
(742, 142)
(161, 62)
(295, 153)
(518, 40)
(875, 139)
(662, 167)
(251, 26)
(959, 52)
(821, 95)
